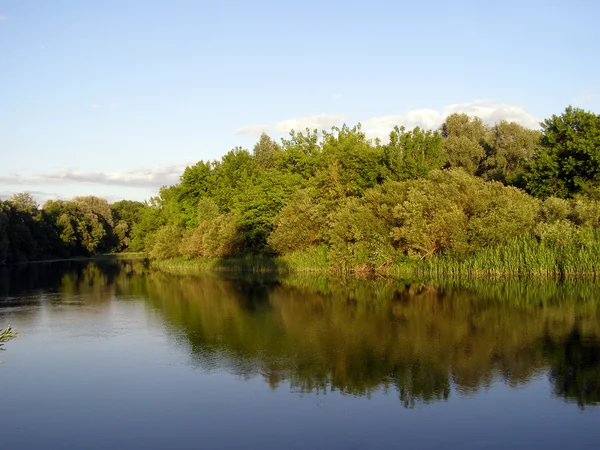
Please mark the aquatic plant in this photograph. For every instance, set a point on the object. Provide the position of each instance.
(6, 336)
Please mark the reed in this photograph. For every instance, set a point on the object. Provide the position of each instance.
(523, 256)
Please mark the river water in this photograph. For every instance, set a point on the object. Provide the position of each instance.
(113, 355)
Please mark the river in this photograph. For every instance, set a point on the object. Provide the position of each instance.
(114, 355)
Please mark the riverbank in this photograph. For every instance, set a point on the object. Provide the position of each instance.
(103, 257)
(522, 257)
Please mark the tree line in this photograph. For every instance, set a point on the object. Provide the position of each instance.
(83, 226)
(455, 190)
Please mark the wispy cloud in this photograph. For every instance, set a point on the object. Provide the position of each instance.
(3, 18)
(143, 178)
(320, 122)
(94, 106)
(42, 197)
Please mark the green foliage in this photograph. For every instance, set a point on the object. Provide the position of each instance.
(266, 153)
(300, 225)
(358, 238)
(216, 236)
(456, 212)
(165, 242)
(126, 215)
(360, 205)
(351, 164)
(231, 175)
(465, 142)
(221, 236)
(548, 254)
(6, 335)
(151, 219)
(196, 183)
(259, 204)
(25, 202)
(413, 154)
(301, 154)
(569, 159)
(509, 147)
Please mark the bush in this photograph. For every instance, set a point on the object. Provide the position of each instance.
(300, 225)
(166, 242)
(457, 212)
(357, 237)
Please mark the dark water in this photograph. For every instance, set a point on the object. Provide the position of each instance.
(112, 355)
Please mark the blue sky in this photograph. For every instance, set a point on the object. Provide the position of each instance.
(114, 98)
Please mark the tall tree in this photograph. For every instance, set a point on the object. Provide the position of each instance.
(568, 161)
(412, 154)
(465, 141)
(266, 152)
(510, 147)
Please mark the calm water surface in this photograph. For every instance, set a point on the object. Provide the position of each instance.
(111, 355)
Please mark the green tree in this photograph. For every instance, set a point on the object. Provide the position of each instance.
(465, 141)
(412, 154)
(232, 175)
(510, 146)
(196, 183)
(25, 202)
(126, 216)
(301, 153)
(351, 163)
(568, 161)
(259, 204)
(301, 225)
(266, 152)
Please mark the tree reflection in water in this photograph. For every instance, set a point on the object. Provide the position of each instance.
(424, 340)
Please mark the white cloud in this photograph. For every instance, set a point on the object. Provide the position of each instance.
(143, 178)
(94, 106)
(3, 18)
(380, 127)
(489, 111)
(320, 122)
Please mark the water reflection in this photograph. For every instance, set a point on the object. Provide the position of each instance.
(421, 340)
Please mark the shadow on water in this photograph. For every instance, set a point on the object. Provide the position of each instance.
(422, 340)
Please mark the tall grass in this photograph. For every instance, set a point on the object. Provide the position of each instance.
(313, 260)
(526, 255)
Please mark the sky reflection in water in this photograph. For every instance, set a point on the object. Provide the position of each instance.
(112, 355)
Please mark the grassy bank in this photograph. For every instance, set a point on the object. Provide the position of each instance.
(524, 256)
(314, 260)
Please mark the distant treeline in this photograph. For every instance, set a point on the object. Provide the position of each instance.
(367, 204)
(83, 226)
